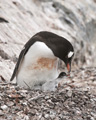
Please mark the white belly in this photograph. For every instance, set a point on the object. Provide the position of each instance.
(39, 65)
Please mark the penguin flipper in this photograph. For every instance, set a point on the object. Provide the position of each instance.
(21, 56)
(20, 59)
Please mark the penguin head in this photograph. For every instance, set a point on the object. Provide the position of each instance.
(67, 60)
(60, 46)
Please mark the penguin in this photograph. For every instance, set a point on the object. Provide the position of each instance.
(38, 60)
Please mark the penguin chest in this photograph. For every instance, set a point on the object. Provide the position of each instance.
(43, 64)
(39, 65)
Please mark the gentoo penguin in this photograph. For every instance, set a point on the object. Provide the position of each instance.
(38, 60)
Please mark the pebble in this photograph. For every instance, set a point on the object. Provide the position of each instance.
(4, 107)
(1, 113)
(26, 117)
(42, 118)
(46, 116)
(10, 103)
(69, 93)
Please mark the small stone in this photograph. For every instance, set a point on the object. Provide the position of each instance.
(42, 118)
(46, 97)
(4, 107)
(47, 116)
(57, 118)
(1, 113)
(19, 113)
(92, 118)
(10, 103)
(26, 117)
(52, 114)
(93, 114)
(69, 93)
(24, 103)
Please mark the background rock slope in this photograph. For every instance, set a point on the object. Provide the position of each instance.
(74, 20)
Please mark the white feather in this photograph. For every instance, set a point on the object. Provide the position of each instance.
(31, 73)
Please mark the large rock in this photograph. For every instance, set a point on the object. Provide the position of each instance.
(19, 20)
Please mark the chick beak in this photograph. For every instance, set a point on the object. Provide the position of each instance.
(69, 67)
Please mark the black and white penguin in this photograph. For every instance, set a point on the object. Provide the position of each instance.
(38, 60)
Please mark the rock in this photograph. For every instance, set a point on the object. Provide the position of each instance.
(10, 103)
(69, 93)
(3, 20)
(47, 116)
(26, 118)
(4, 107)
(1, 113)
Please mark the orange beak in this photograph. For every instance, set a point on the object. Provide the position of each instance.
(69, 67)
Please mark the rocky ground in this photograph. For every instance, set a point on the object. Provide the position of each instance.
(21, 19)
(75, 97)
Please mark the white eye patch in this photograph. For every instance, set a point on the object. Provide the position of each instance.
(70, 54)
